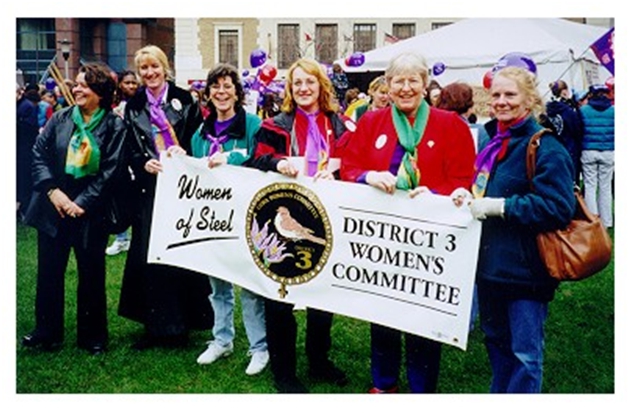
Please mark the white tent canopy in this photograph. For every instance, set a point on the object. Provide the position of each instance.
(471, 47)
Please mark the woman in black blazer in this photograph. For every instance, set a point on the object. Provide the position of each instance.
(168, 301)
(75, 161)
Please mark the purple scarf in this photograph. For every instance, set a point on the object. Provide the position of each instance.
(317, 148)
(485, 162)
(216, 142)
(165, 136)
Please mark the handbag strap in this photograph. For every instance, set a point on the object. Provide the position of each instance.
(531, 153)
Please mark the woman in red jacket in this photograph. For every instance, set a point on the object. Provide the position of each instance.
(408, 146)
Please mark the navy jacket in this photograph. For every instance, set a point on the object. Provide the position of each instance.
(508, 256)
(567, 124)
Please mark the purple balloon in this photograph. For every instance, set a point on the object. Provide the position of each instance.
(245, 73)
(438, 68)
(516, 59)
(356, 59)
(50, 84)
(257, 58)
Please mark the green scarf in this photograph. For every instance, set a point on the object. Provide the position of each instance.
(408, 174)
(83, 157)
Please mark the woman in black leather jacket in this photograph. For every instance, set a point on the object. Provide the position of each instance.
(162, 118)
(75, 159)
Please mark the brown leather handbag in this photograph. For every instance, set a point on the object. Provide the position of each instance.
(578, 251)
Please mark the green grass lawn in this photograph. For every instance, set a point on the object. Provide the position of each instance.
(579, 348)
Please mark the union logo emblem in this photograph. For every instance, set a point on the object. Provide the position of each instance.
(288, 234)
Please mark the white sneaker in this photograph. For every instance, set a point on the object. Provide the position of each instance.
(258, 362)
(215, 351)
(117, 247)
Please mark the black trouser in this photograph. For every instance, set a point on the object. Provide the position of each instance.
(281, 336)
(53, 254)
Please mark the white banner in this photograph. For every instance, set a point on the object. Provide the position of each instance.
(342, 247)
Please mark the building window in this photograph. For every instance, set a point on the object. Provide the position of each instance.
(403, 30)
(228, 47)
(87, 35)
(364, 37)
(35, 47)
(326, 42)
(438, 25)
(287, 45)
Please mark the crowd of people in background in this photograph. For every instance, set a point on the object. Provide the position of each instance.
(127, 119)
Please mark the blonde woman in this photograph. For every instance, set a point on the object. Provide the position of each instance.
(378, 94)
(307, 127)
(514, 288)
(162, 118)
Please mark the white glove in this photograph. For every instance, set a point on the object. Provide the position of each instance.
(461, 196)
(482, 208)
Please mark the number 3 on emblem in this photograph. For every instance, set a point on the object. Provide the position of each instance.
(305, 261)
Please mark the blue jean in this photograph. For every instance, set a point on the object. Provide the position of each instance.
(123, 236)
(222, 300)
(514, 338)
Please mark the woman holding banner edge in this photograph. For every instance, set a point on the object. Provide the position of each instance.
(514, 288)
(408, 146)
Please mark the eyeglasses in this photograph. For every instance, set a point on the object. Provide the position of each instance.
(398, 83)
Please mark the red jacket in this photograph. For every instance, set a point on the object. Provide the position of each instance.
(445, 154)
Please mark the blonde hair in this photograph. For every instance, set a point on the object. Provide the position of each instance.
(326, 90)
(527, 83)
(407, 63)
(155, 53)
(377, 84)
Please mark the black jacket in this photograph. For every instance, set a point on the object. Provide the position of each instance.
(48, 170)
(167, 300)
(182, 113)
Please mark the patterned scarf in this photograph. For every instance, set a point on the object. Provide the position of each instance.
(485, 161)
(408, 174)
(163, 133)
(83, 156)
(317, 147)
